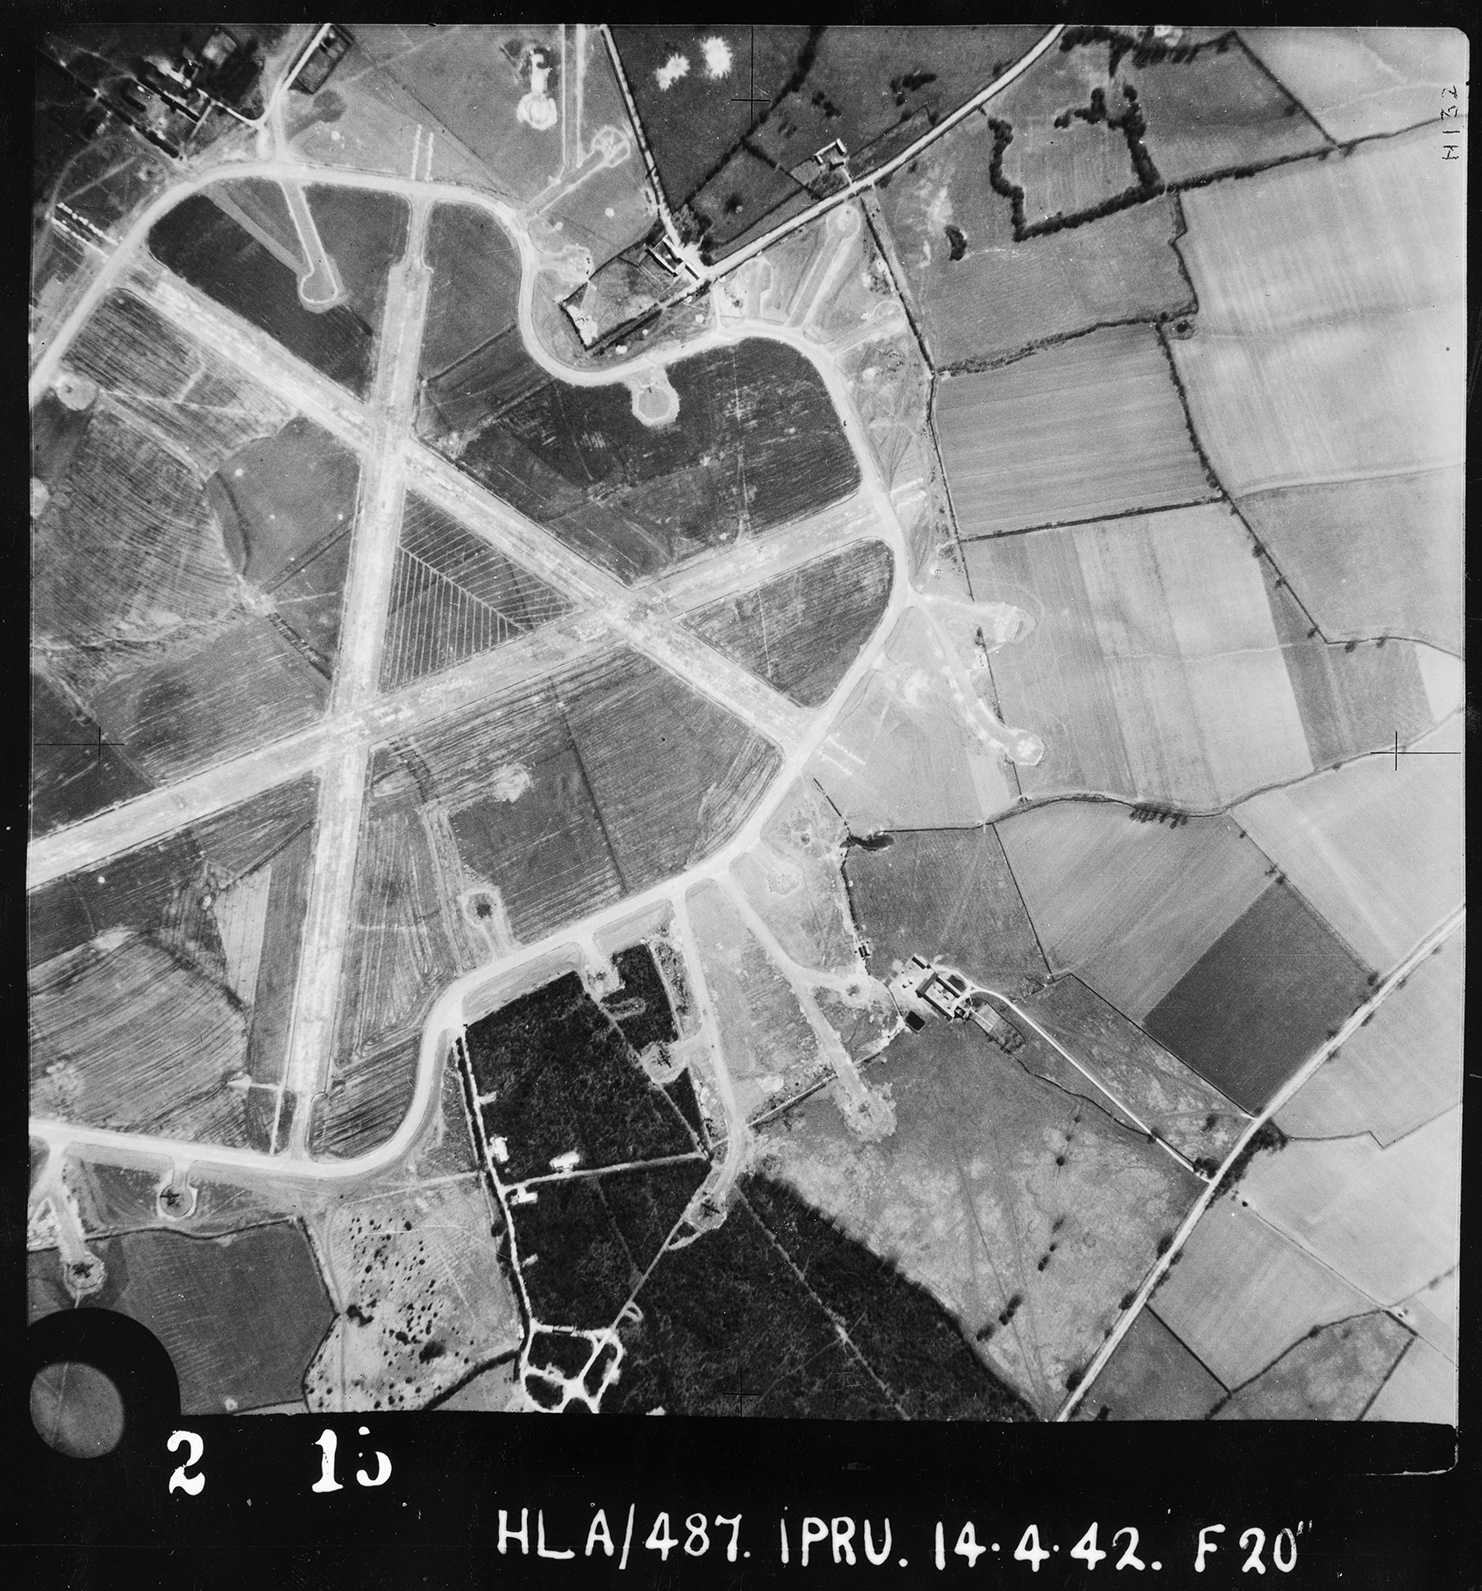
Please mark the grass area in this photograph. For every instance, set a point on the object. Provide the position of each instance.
(215, 253)
(240, 1315)
(802, 631)
(1151, 1376)
(1027, 1211)
(948, 894)
(756, 443)
(419, 1293)
(1331, 1374)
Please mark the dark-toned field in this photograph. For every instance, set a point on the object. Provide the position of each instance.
(454, 596)
(585, 1244)
(240, 1316)
(756, 443)
(72, 774)
(1151, 1376)
(162, 982)
(363, 231)
(367, 1100)
(641, 1007)
(1261, 999)
(475, 285)
(802, 631)
(876, 90)
(948, 894)
(564, 1078)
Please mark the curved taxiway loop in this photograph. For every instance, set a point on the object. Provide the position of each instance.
(470, 994)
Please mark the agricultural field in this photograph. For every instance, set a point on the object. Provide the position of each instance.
(1355, 698)
(802, 631)
(756, 443)
(1154, 669)
(560, 1076)
(419, 1296)
(1397, 1072)
(1332, 1374)
(241, 1315)
(1326, 331)
(738, 168)
(1024, 1210)
(1374, 846)
(1120, 267)
(1173, 1100)
(1371, 557)
(1362, 81)
(453, 597)
(363, 232)
(909, 751)
(1129, 906)
(771, 1049)
(1421, 1387)
(1264, 995)
(1242, 1294)
(1151, 1376)
(943, 894)
(1384, 1219)
(161, 985)
(1074, 432)
(794, 881)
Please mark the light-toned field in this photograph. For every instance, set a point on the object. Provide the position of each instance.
(1065, 170)
(770, 1050)
(1151, 1376)
(1092, 426)
(489, 1391)
(1331, 335)
(1173, 1100)
(1376, 849)
(1433, 1312)
(1241, 1293)
(1386, 1219)
(902, 754)
(1330, 1376)
(1155, 669)
(430, 1298)
(995, 1186)
(1129, 907)
(1399, 1071)
(795, 882)
(1362, 81)
(1372, 557)
(1421, 1387)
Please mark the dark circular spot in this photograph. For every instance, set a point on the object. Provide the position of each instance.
(76, 1409)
